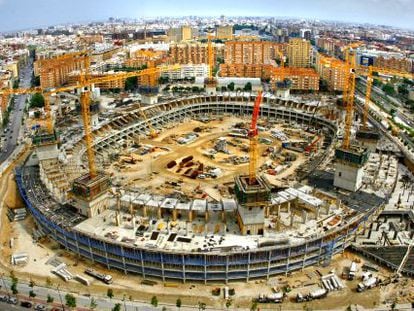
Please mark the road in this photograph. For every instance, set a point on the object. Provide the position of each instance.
(16, 114)
(7, 307)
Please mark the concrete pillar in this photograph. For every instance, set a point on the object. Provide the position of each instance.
(328, 209)
(118, 202)
(267, 211)
(224, 229)
(144, 210)
(292, 219)
(174, 214)
(117, 219)
(318, 211)
(206, 215)
(278, 210)
(187, 228)
(305, 216)
(288, 207)
(223, 216)
(190, 216)
(159, 212)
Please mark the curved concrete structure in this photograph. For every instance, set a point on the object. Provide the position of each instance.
(214, 266)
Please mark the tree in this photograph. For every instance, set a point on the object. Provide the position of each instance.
(131, 83)
(32, 283)
(323, 85)
(178, 303)
(49, 282)
(37, 101)
(110, 293)
(117, 307)
(154, 301)
(228, 303)
(93, 304)
(32, 294)
(201, 306)
(50, 299)
(14, 280)
(231, 86)
(70, 300)
(403, 89)
(253, 307)
(35, 80)
(248, 87)
(388, 89)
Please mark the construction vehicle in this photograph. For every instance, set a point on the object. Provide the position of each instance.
(106, 278)
(316, 294)
(272, 298)
(352, 271)
(367, 284)
(312, 147)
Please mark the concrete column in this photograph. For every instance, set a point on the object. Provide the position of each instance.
(267, 211)
(292, 219)
(117, 219)
(174, 214)
(206, 215)
(305, 216)
(278, 210)
(318, 211)
(144, 210)
(190, 216)
(223, 216)
(159, 212)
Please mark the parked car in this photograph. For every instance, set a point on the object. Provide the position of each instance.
(40, 307)
(26, 304)
(12, 300)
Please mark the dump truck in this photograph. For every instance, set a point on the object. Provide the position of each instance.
(106, 278)
(272, 298)
(316, 294)
(352, 271)
(367, 284)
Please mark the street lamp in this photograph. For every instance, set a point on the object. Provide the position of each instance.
(60, 297)
(124, 303)
(4, 283)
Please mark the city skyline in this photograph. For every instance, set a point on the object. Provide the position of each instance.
(23, 14)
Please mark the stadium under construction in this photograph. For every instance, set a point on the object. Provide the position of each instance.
(249, 230)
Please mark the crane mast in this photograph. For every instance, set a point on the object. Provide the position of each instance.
(253, 139)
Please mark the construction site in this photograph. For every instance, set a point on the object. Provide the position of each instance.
(214, 188)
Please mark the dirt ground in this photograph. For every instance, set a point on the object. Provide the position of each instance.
(151, 171)
(130, 285)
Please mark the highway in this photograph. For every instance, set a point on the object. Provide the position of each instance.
(16, 115)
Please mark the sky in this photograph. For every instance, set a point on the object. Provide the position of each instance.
(24, 14)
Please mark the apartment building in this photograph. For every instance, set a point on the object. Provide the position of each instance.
(187, 71)
(246, 70)
(306, 79)
(189, 53)
(299, 53)
(224, 32)
(251, 52)
(335, 77)
(74, 76)
(53, 76)
(400, 64)
(184, 33)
